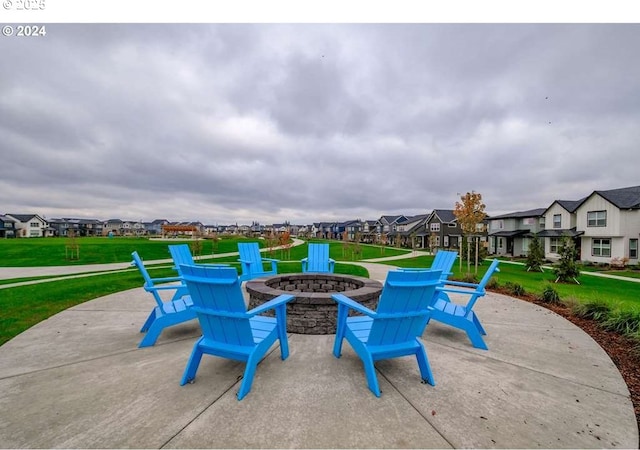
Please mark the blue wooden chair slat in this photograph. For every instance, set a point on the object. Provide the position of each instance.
(252, 262)
(166, 313)
(228, 329)
(443, 261)
(463, 316)
(392, 330)
(181, 254)
(318, 259)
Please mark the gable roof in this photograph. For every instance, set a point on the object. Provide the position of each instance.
(623, 198)
(445, 215)
(571, 205)
(520, 214)
(24, 218)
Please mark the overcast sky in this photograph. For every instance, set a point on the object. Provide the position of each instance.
(228, 123)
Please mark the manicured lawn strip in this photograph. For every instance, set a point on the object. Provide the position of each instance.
(24, 306)
(618, 294)
(36, 252)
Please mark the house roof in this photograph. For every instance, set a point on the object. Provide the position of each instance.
(560, 232)
(445, 215)
(571, 205)
(513, 233)
(623, 198)
(23, 217)
(520, 214)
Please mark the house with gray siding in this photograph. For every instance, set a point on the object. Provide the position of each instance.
(510, 234)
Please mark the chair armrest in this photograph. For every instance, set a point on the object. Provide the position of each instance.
(331, 260)
(245, 261)
(304, 260)
(165, 280)
(344, 300)
(271, 304)
(271, 259)
(460, 291)
(461, 283)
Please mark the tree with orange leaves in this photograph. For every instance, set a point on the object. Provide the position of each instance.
(470, 212)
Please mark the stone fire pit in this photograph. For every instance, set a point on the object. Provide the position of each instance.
(313, 311)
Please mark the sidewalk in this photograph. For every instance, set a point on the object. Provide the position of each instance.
(78, 380)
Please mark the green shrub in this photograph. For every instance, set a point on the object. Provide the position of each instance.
(514, 288)
(470, 278)
(623, 322)
(550, 295)
(493, 284)
(595, 310)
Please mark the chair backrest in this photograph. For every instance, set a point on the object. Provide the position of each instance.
(250, 251)
(148, 281)
(219, 303)
(403, 306)
(483, 282)
(444, 261)
(318, 260)
(181, 254)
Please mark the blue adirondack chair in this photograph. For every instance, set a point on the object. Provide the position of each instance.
(181, 254)
(318, 259)
(252, 260)
(393, 329)
(459, 316)
(228, 329)
(166, 313)
(443, 261)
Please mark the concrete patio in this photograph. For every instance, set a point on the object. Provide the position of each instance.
(78, 380)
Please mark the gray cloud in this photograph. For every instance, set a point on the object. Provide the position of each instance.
(227, 122)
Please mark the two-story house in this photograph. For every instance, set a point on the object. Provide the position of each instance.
(29, 225)
(444, 230)
(411, 232)
(510, 234)
(611, 224)
(7, 227)
(560, 221)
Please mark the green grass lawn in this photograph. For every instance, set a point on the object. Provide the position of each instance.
(24, 306)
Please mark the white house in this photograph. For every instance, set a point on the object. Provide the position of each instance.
(29, 225)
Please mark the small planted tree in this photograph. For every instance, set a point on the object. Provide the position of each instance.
(566, 269)
(535, 256)
(470, 212)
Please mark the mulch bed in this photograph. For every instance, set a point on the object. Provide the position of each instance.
(622, 350)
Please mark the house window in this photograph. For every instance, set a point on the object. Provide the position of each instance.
(597, 219)
(497, 224)
(435, 226)
(446, 241)
(528, 221)
(557, 221)
(541, 221)
(601, 247)
(452, 225)
(34, 224)
(633, 249)
(499, 242)
(555, 244)
(437, 241)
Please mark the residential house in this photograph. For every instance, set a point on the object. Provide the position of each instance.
(29, 225)
(387, 225)
(444, 231)
(510, 234)
(155, 228)
(369, 231)
(560, 221)
(353, 229)
(7, 227)
(611, 224)
(411, 232)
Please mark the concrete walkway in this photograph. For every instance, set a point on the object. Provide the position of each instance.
(78, 380)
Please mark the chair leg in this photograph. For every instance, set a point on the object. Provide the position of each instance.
(423, 364)
(152, 335)
(474, 336)
(149, 321)
(370, 372)
(192, 366)
(249, 373)
(341, 324)
(478, 325)
(281, 316)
